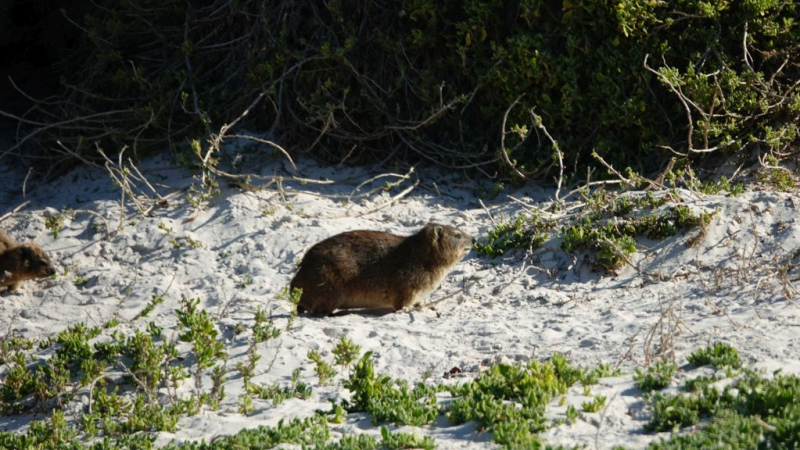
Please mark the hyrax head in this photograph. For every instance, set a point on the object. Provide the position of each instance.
(34, 261)
(450, 240)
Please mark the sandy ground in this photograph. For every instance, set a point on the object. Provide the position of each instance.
(727, 288)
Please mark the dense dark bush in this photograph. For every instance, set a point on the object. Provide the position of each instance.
(434, 80)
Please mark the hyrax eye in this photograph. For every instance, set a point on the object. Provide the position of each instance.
(458, 235)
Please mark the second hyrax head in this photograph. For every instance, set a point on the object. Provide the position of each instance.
(34, 262)
(449, 241)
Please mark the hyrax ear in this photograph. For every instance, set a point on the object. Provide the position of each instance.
(27, 255)
(437, 233)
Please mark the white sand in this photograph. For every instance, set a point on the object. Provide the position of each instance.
(726, 288)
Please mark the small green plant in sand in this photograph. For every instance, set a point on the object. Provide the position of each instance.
(572, 414)
(194, 243)
(80, 280)
(322, 368)
(55, 222)
(345, 352)
(248, 369)
(595, 405)
(685, 178)
(198, 328)
(293, 297)
(775, 175)
(601, 370)
(278, 394)
(245, 404)
(264, 328)
(155, 300)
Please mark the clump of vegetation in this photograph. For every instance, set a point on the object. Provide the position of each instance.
(773, 174)
(699, 384)
(752, 411)
(657, 376)
(198, 328)
(602, 202)
(264, 328)
(686, 178)
(595, 405)
(510, 400)
(507, 400)
(770, 401)
(719, 355)
(612, 247)
(293, 297)
(608, 228)
(124, 377)
(312, 432)
(614, 240)
(389, 400)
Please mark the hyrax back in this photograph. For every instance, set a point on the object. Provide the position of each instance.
(371, 269)
(20, 262)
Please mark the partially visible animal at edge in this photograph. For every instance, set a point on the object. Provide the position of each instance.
(21, 262)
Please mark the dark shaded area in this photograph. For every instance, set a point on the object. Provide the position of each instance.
(34, 36)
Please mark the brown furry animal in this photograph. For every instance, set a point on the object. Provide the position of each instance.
(20, 262)
(371, 269)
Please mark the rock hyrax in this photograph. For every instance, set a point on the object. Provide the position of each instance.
(372, 269)
(20, 262)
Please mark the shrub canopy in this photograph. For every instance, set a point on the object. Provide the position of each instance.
(445, 81)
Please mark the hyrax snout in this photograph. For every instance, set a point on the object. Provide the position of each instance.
(374, 269)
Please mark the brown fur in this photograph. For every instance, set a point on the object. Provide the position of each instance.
(371, 269)
(20, 262)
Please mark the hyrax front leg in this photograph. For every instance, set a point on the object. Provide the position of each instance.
(403, 300)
